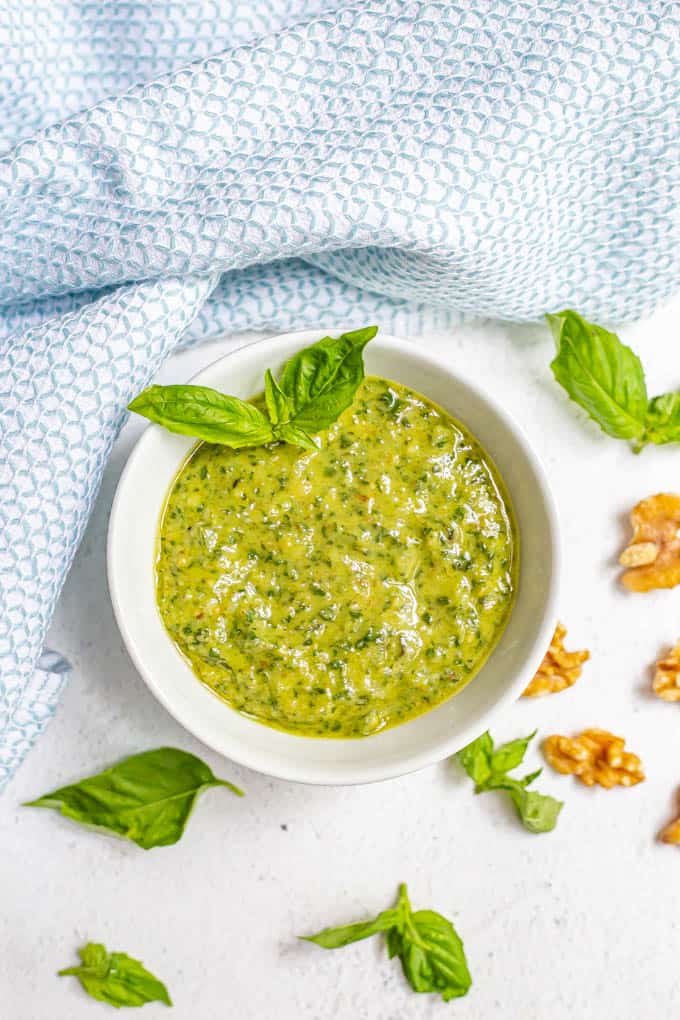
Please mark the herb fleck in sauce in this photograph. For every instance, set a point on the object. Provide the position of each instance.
(341, 591)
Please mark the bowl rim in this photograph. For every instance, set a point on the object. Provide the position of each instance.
(359, 774)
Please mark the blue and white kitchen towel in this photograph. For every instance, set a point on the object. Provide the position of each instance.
(175, 168)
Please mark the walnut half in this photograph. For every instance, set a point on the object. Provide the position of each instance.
(667, 676)
(559, 669)
(653, 554)
(595, 756)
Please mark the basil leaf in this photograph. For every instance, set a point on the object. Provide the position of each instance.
(488, 768)
(276, 400)
(432, 956)
(336, 938)
(320, 382)
(607, 379)
(394, 942)
(296, 435)
(116, 978)
(663, 419)
(317, 384)
(601, 374)
(476, 758)
(205, 413)
(146, 798)
(537, 811)
(530, 778)
(431, 952)
(509, 756)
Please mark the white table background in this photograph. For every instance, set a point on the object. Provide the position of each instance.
(567, 926)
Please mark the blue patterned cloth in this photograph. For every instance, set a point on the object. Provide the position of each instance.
(175, 168)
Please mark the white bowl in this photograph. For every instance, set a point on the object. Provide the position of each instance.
(135, 515)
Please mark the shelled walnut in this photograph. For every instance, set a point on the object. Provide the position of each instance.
(595, 756)
(667, 676)
(559, 669)
(653, 554)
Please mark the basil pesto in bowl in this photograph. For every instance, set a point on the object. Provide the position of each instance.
(368, 584)
(338, 591)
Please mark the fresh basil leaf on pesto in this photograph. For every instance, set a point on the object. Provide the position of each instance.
(606, 378)
(296, 436)
(317, 384)
(205, 413)
(116, 978)
(276, 400)
(430, 950)
(320, 382)
(346, 588)
(488, 768)
(146, 798)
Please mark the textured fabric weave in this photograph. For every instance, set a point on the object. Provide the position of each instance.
(176, 169)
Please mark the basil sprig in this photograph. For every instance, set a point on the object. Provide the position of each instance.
(431, 952)
(146, 798)
(488, 766)
(116, 978)
(315, 386)
(606, 378)
(205, 413)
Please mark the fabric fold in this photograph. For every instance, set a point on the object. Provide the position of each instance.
(64, 387)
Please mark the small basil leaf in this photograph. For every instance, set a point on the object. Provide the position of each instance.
(204, 413)
(509, 756)
(320, 381)
(432, 956)
(94, 959)
(335, 938)
(527, 780)
(116, 978)
(296, 435)
(476, 758)
(394, 942)
(431, 953)
(489, 768)
(537, 811)
(146, 798)
(601, 374)
(276, 400)
(663, 419)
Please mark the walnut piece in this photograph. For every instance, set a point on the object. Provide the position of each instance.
(559, 669)
(639, 554)
(653, 554)
(667, 676)
(595, 756)
(671, 834)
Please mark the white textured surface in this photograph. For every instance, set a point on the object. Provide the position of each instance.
(565, 926)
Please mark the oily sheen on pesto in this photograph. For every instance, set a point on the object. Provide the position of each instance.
(339, 591)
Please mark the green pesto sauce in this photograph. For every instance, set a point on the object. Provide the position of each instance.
(338, 592)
